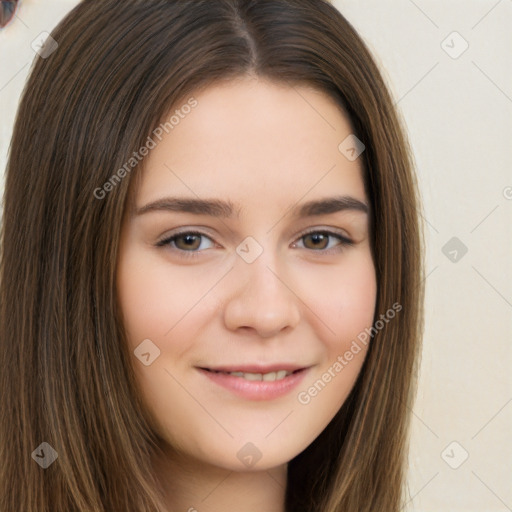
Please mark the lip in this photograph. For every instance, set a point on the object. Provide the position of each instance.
(259, 389)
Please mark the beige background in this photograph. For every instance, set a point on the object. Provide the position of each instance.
(458, 113)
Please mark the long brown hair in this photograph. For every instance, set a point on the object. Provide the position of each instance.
(66, 376)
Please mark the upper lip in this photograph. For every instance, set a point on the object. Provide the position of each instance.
(255, 368)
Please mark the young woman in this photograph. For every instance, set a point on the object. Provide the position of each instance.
(211, 266)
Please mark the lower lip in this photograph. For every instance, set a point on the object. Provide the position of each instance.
(256, 389)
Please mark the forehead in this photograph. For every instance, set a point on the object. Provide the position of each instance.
(251, 139)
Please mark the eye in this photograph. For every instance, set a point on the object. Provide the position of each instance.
(324, 241)
(187, 242)
(190, 243)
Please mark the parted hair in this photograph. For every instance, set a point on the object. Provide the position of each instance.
(66, 376)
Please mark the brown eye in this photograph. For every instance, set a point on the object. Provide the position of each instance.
(324, 241)
(187, 242)
(318, 240)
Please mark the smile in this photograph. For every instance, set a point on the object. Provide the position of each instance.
(253, 385)
(267, 377)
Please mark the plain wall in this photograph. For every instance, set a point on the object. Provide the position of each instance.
(457, 109)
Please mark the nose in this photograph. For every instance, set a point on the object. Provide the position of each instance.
(262, 299)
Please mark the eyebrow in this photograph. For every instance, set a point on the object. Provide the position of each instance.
(226, 209)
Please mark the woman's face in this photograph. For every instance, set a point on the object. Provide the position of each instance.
(248, 252)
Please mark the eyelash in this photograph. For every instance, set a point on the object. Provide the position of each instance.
(344, 241)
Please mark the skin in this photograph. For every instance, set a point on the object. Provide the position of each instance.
(266, 147)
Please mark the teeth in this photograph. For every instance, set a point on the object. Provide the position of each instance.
(253, 376)
(271, 376)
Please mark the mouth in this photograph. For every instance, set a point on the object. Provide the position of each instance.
(256, 382)
(258, 376)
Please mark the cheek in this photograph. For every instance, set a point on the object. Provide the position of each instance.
(154, 298)
(344, 299)
(155, 301)
(348, 307)
(355, 307)
(342, 303)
